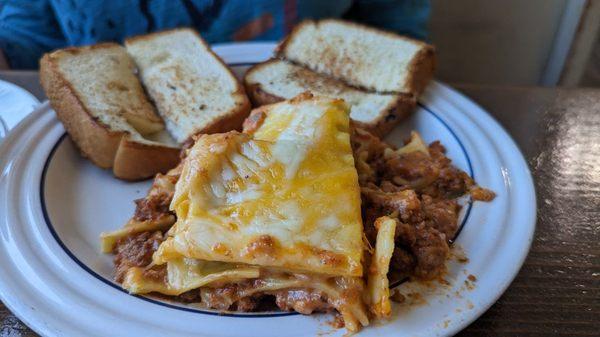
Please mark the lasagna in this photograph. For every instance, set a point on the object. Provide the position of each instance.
(301, 212)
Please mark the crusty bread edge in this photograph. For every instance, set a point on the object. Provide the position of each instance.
(381, 126)
(130, 160)
(388, 118)
(395, 113)
(231, 120)
(94, 140)
(420, 70)
(137, 161)
(258, 96)
(283, 44)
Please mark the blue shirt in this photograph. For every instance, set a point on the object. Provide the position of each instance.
(29, 28)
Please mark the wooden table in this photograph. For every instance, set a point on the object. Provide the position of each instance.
(557, 292)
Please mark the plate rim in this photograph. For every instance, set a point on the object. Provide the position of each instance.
(35, 102)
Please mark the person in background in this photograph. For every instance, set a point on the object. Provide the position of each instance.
(30, 28)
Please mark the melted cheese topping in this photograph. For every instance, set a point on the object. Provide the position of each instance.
(288, 198)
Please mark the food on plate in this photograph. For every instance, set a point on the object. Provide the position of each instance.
(277, 80)
(102, 104)
(302, 211)
(379, 74)
(98, 97)
(361, 56)
(276, 213)
(417, 185)
(192, 88)
(378, 284)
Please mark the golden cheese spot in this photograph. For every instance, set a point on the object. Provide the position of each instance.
(221, 248)
(331, 258)
(250, 206)
(232, 226)
(263, 245)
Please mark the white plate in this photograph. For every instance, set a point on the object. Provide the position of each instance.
(54, 204)
(16, 104)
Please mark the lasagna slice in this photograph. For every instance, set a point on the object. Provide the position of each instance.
(291, 203)
(272, 212)
(272, 217)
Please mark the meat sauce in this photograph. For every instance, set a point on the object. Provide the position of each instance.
(418, 189)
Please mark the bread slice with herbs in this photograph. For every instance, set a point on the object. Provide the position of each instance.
(361, 56)
(192, 88)
(277, 80)
(102, 105)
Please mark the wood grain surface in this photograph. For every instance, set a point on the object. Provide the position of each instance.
(557, 292)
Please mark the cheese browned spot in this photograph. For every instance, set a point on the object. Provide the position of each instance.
(262, 245)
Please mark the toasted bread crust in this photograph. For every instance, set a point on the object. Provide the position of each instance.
(281, 47)
(130, 160)
(385, 122)
(136, 161)
(259, 97)
(395, 114)
(231, 120)
(92, 137)
(421, 69)
(78, 50)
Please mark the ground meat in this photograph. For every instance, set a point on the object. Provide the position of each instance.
(417, 189)
(451, 183)
(405, 237)
(415, 168)
(156, 273)
(190, 296)
(403, 261)
(389, 187)
(246, 304)
(304, 301)
(135, 251)
(441, 214)
(420, 251)
(235, 297)
(437, 151)
(482, 194)
(403, 204)
(405, 234)
(362, 140)
(221, 298)
(420, 190)
(431, 251)
(152, 207)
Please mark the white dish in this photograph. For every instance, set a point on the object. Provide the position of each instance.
(54, 204)
(17, 103)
